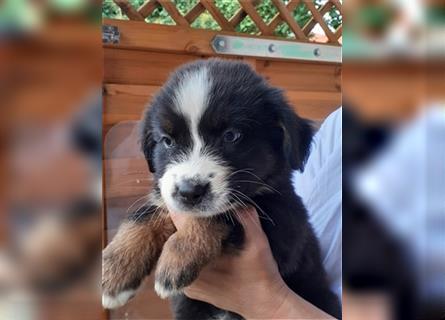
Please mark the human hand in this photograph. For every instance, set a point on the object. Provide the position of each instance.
(242, 283)
(248, 283)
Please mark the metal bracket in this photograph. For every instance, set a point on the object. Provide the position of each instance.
(110, 34)
(265, 48)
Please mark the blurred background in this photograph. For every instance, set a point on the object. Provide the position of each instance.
(394, 160)
(393, 85)
(50, 140)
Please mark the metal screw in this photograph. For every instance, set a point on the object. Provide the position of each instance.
(272, 48)
(317, 52)
(222, 43)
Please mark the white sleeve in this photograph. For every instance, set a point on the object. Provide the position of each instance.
(320, 187)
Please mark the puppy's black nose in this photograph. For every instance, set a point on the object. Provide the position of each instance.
(192, 192)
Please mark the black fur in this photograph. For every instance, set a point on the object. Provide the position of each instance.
(274, 142)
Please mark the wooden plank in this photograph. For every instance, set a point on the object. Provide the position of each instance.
(127, 102)
(301, 76)
(314, 105)
(144, 36)
(150, 37)
(127, 178)
(289, 19)
(140, 67)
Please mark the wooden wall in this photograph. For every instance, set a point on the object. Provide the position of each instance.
(133, 71)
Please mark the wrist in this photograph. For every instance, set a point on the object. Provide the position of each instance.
(267, 301)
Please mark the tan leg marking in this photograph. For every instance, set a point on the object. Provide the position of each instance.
(186, 252)
(130, 256)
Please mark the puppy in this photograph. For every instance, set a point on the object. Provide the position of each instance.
(217, 137)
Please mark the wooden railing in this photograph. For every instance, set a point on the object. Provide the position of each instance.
(247, 8)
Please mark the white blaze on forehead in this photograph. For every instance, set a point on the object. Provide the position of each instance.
(192, 96)
(191, 100)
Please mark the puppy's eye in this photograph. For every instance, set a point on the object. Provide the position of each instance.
(231, 136)
(167, 141)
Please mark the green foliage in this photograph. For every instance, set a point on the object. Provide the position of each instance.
(228, 8)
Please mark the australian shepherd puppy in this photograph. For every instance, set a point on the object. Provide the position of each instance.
(217, 136)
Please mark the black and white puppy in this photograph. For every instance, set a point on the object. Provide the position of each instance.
(217, 136)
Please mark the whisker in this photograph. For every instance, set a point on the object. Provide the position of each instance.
(256, 205)
(139, 199)
(260, 183)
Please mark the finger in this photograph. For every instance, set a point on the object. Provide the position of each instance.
(178, 219)
(251, 224)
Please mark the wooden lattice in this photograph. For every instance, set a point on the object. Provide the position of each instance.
(247, 8)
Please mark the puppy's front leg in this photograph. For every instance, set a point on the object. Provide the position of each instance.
(186, 252)
(132, 253)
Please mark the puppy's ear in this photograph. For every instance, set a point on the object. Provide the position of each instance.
(297, 138)
(147, 140)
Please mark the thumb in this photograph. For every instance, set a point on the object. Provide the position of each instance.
(251, 223)
(179, 219)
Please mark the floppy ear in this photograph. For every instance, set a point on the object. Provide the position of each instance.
(297, 138)
(147, 141)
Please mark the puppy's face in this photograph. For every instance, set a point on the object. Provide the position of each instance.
(217, 134)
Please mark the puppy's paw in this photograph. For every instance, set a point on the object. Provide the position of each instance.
(118, 300)
(121, 276)
(173, 274)
(170, 282)
(165, 290)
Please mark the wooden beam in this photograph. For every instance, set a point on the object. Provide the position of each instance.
(146, 36)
